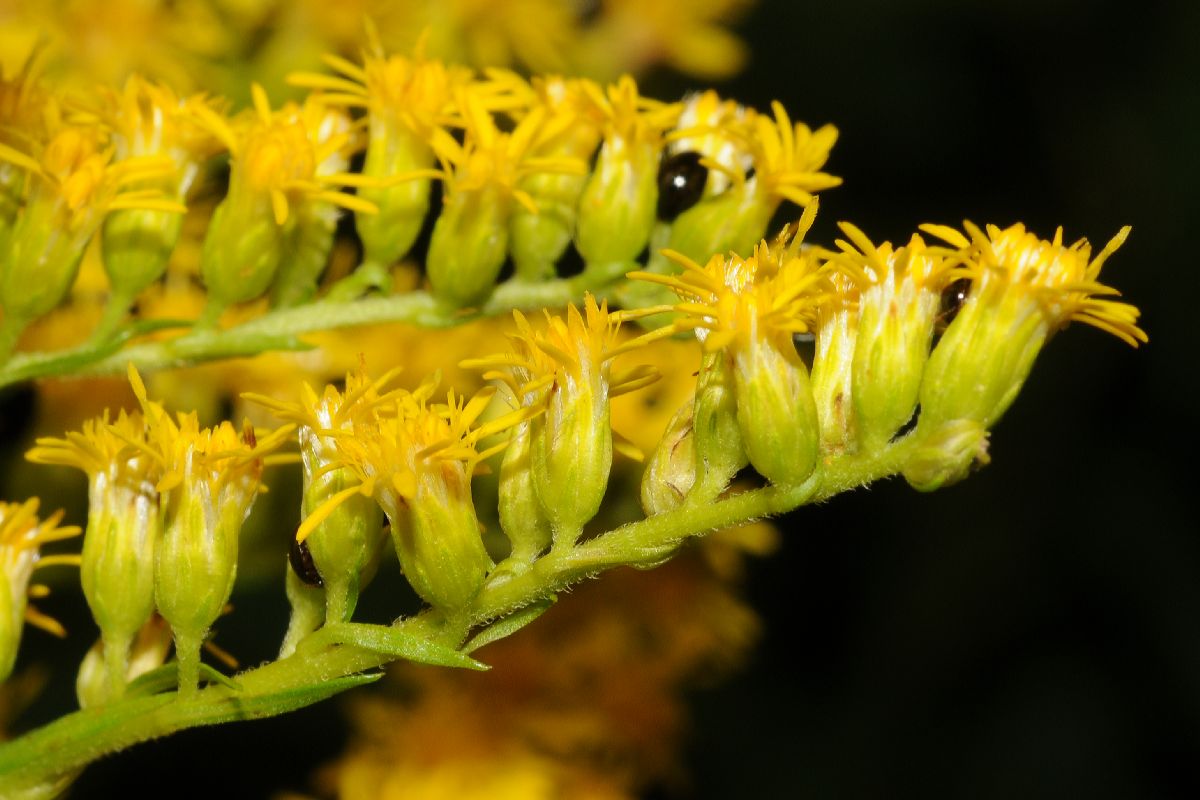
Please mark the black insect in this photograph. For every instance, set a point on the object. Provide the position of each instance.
(681, 180)
(953, 297)
(302, 563)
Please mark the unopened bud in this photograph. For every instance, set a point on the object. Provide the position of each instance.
(776, 411)
(947, 455)
(671, 471)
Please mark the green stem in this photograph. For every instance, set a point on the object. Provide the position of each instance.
(278, 330)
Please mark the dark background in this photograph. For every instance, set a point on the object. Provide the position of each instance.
(1033, 631)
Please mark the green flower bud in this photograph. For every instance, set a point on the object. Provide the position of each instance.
(137, 244)
(210, 477)
(72, 184)
(417, 460)
(671, 471)
(241, 253)
(572, 454)
(468, 246)
(539, 240)
(123, 527)
(617, 207)
(947, 455)
(117, 571)
(521, 515)
(437, 538)
(196, 560)
(895, 329)
(39, 264)
(776, 411)
(345, 547)
(393, 150)
(720, 451)
(832, 370)
(898, 305)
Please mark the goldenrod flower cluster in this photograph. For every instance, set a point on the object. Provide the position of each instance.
(166, 501)
(820, 368)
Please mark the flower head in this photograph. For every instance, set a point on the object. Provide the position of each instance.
(888, 304)
(73, 183)
(565, 370)
(1022, 290)
(207, 481)
(21, 536)
(482, 179)
(746, 311)
(123, 527)
(1063, 281)
(788, 157)
(342, 538)
(774, 293)
(416, 458)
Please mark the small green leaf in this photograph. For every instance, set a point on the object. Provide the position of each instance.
(395, 642)
(509, 625)
(166, 679)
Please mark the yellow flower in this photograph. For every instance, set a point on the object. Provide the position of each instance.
(149, 120)
(897, 294)
(788, 157)
(344, 546)
(1022, 290)
(21, 534)
(73, 183)
(745, 311)
(123, 527)
(286, 166)
(482, 180)
(208, 481)
(288, 156)
(407, 100)
(416, 459)
(566, 370)
(617, 209)
(539, 239)
(1063, 281)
